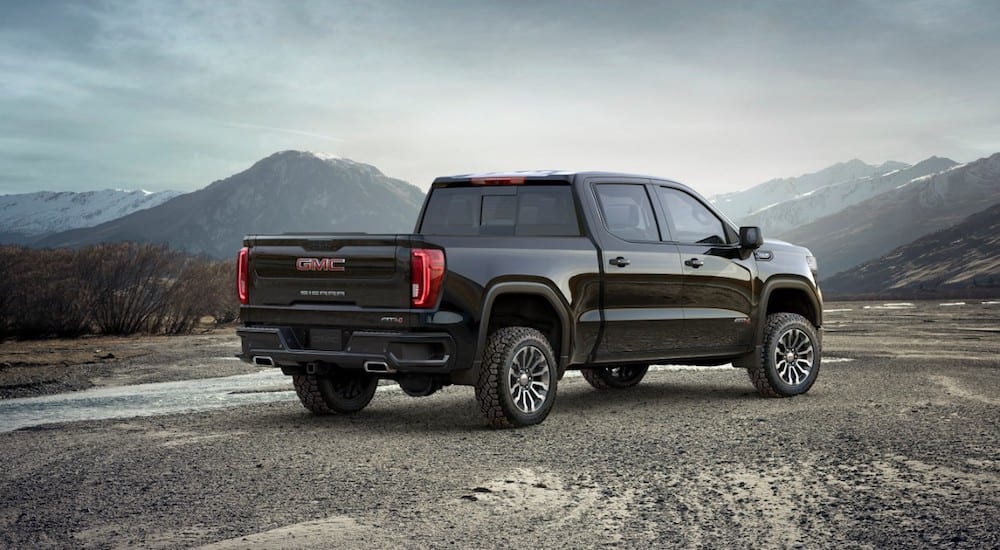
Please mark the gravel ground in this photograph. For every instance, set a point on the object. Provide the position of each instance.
(44, 367)
(896, 448)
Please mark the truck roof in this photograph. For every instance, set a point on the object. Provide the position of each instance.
(552, 175)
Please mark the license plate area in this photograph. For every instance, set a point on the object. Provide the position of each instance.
(325, 339)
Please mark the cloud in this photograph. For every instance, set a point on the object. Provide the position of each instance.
(280, 130)
(720, 95)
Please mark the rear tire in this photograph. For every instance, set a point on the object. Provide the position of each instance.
(790, 356)
(518, 377)
(604, 378)
(335, 393)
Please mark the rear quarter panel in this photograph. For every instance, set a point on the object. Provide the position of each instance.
(567, 265)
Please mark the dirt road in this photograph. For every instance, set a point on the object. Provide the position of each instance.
(896, 445)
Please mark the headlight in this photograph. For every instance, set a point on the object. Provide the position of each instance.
(813, 265)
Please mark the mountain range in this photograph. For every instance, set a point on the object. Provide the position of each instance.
(962, 260)
(289, 191)
(875, 228)
(919, 207)
(744, 203)
(27, 216)
(800, 210)
(852, 213)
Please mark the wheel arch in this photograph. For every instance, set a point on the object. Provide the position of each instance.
(791, 296)
(502, 293)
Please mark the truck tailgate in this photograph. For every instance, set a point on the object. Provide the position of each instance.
(352, 271)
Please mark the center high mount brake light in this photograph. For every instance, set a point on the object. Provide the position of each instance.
(515, 180)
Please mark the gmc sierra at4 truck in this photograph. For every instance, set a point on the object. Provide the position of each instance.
(511, 279)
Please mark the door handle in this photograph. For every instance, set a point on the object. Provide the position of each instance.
(694, 262)
(619, 261)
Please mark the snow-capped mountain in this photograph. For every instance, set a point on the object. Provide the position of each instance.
(741, 204)
(921, 206)
(45, 212)
(779, 218)
(290, 191)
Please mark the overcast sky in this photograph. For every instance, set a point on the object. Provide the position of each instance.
(174, 95)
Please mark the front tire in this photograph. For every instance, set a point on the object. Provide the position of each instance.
(337, 392)
(604, 378)
(518, 377)
(790, 356)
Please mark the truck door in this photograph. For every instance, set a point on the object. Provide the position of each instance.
(642, 303)
(718, 280)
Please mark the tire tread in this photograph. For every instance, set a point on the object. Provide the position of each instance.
(307, 388)
(758, 372)
(600, 378)
(594, 379)
(499, 344)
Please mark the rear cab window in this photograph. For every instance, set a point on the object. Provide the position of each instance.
(627, 211)
(514, 210)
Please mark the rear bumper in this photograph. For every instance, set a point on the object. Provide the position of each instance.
(375, 351)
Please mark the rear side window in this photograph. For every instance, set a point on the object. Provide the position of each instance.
(519, 211)
(627, 211)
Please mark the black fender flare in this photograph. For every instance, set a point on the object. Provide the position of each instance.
(775, 284)
(810, 290)
(538, 289)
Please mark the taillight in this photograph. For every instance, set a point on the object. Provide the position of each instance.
(243, 276)
(426, 274)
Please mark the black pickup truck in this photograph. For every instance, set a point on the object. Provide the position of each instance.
(511, 279)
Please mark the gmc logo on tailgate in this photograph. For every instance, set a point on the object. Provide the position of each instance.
(320, 264)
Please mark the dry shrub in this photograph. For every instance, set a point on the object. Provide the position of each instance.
(11, 276)
(111, 289)
(131, 284)
(220, 280)
(202, 289)
(42, 295)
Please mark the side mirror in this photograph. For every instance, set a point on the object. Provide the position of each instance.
(751, 237)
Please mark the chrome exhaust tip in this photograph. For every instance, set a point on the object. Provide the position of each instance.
(263, 361)
(378, 367)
